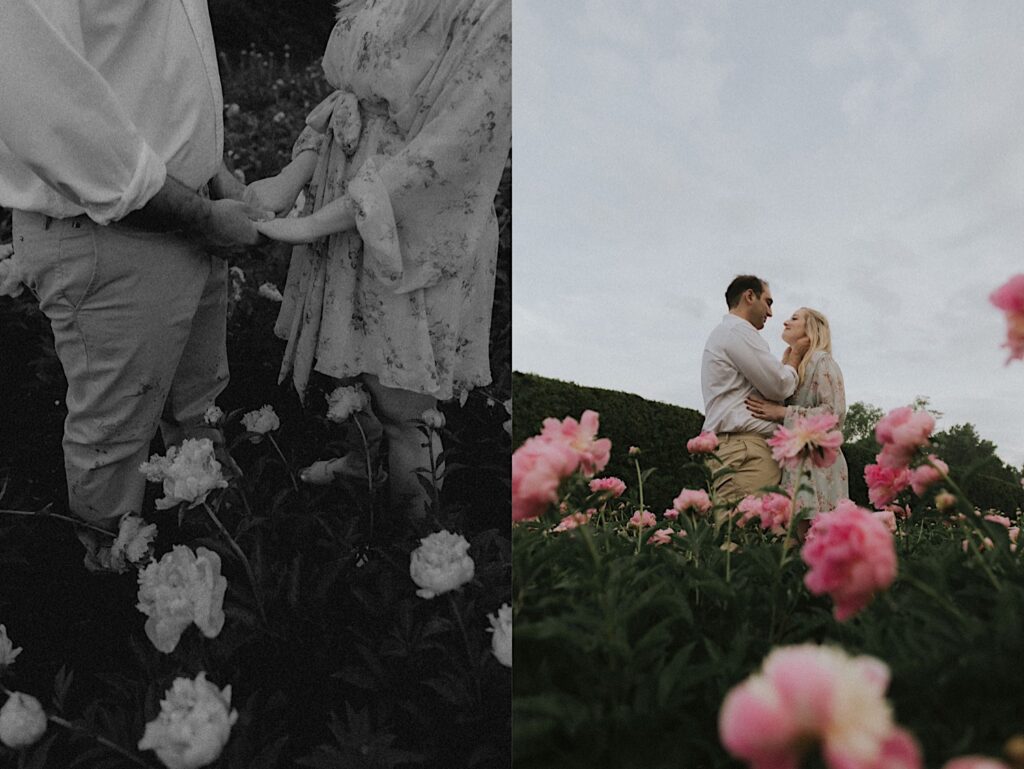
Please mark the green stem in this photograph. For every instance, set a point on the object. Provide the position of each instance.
(257, 594)
(366, 451)
(792, 515)
(288, 467)
(101, 740)
(75, 521)
(465, 640)
(433, 472)
(640, 490)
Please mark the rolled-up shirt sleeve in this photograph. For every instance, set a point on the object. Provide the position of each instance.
(62, 121)
(752, 358)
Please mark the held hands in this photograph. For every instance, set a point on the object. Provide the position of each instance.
(232, 223)
(768, 410)
(275, 193)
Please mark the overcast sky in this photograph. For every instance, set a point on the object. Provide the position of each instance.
(867, 159)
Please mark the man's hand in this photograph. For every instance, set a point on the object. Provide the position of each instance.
(232, 223)
(274, 193)
(762, 409)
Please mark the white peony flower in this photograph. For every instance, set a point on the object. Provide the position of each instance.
(22, 721)
(180, 589)
(193, 726)
(134, 542)
(345, 401)
(261, 421)
(441, 563)
(214, 415)
(12, 273)
(433, 419)
(501, 640)
(7, 650)
(269, 291)
(188, 473)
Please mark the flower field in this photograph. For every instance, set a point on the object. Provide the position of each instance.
(718, 634)
(246, 618)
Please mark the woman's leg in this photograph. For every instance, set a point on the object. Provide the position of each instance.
(408, 450)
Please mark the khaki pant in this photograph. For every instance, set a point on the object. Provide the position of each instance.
(750, 457)
(139, 324)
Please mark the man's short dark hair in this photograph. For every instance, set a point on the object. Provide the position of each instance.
(739, 285)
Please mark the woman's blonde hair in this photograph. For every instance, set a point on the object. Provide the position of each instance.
(817, 330)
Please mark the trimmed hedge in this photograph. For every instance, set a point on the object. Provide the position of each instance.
(659, 429)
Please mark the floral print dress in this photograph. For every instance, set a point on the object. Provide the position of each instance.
(417, 135)
(821, 392)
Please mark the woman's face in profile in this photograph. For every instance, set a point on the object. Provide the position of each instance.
(793, 327)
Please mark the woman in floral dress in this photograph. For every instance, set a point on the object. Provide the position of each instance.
(393, 282)
(821, 391)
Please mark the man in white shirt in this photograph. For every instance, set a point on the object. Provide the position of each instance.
(737, 363)
(111, 144)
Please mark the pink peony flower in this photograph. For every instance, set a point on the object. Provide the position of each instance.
(851, 555)
(1010, 299)
(612, 486)
(885, 483)
(773, 509)
(643, 519)
(925, 476)
(705, 443)
(593, 452)
(573, 520)
(974, 762)
(538, 467)
(811, 438)
(806, 695)
(671, 514)
(1002, 520)
(661, 536)
(692, 499)
(901, 432)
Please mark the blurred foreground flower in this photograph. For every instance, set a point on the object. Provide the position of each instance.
(501, 640)
(807, 696)
(441, 563)
(1009, 298)
(974, 762)
(705, 443)
(927, 475)
(811, 438)
(189, 472)
(7, 650)
(538, 467)
(885, 483)
(261, 421)
(180, 589)
(193, 726)
(22, 721)
(345, 401)
(851, 555)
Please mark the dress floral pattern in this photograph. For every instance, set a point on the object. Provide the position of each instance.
(821, 392)
(416, 135)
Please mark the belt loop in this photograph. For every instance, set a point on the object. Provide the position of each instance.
(48, 222)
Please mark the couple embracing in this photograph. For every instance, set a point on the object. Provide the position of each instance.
(749, 393)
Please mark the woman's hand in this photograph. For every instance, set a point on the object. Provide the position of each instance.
(274, 192)
(760, 408)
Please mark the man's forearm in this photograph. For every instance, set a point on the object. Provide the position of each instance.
(174, 207)
(225, 184)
